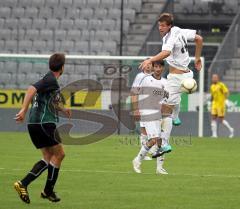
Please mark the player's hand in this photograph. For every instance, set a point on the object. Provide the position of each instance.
(198, 64)
(67, 112)
(136, 115)
(20, 116)
(145, 64)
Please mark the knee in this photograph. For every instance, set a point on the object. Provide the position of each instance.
(60, 156)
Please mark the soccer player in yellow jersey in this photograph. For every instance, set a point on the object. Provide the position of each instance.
(219, 93)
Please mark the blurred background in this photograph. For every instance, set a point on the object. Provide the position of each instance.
(116, 28)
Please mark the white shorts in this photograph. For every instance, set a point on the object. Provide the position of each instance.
(153, 128)
(173, 86)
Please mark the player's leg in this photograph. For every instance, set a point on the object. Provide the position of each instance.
(214, 120)
(38, 168)
(153, 132)
(221, 114)
(53, 171)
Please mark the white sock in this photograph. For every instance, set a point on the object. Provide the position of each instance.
(214, 128)
(226, 124)
(143, 139)
(142, 153)
(166, 130)
(160, 161)
(153, 149)
(176, 111)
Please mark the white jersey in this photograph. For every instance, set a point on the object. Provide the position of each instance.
(152, 92)
(176, 41)
(138, 80)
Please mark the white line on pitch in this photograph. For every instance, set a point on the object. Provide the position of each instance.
(131, 172)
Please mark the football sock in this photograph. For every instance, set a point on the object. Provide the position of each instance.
(51, 178)
(143, 139)
(160, 161)
(36, 171)
(153, 149)
(176, 111)
(214, 128)
(166, 130)
(142, 153)
(226, 124)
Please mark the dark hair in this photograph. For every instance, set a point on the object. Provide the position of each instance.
(166, 17)
(158, 63)
(56, 62)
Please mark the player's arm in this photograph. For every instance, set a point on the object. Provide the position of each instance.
(134, 104)
(60, 107)
(198, 51)
(160, 56)
(27, 100)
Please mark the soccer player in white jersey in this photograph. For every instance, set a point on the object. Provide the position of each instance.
(151, 93)
(134, 100)
(175, 51)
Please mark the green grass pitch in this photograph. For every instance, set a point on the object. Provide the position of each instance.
(203, 174)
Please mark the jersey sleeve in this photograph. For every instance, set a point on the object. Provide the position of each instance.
(224, 88)
(189, 34)
(46, 84)
(136, 84)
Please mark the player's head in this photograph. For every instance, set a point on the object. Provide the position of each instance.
(56, 62)
(215, 78)
(165, 22)
(149, 68)
(158, 67)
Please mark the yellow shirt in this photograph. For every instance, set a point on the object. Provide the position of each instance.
(218, 92)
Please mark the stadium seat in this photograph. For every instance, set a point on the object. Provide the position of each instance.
(25, 67)
(75, 77)
(5, 12)
(51, 3)
(100, 13)
(18, 12)
(24, 3)
(40, 68)
(66, 46)
(108, 24)
(85, 35)
(96, 70)
(110, 46)
(18, 34)
(5, 34)
(133, 4)
(86, 13)
(39, 46)
(11, 23)
(63, 80)
(11, 46)
(129, 14)
(93, 4)
(66, 24)
(11, 67)
(46, 35)
(2, 21)
(58, 13)
(69, 69)
(114, 35)
(31, 12)
(31, 78)
(52, 24)
(80, 24)
(21, 78)
(79, 3)
(73, 35)
(25, 46)
(114, 14)
(66, 3)
(25, 23)
(59, 35)
(32, 34)
(82, 69)
(5, 78)
(9, 3)
(95, 46)
(38, 3)
(94, 24)
(73, 13)
(107, 3)
(102, 35)
(38, 24)
(82, 47)
(11, 86)
(45, 12)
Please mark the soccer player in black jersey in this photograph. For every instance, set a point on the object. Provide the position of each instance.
(45, 97)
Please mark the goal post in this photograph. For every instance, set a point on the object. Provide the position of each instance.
(104, 69)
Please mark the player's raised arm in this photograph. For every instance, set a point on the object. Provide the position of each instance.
(198, 51)
(27, 100)
(159, 57)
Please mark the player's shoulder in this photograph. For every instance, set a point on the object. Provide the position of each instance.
(146, 78)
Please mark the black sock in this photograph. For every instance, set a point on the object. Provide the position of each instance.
(36, 171)
(51, 179)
